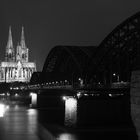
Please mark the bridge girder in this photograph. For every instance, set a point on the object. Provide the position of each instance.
(70, 60)
(117, 53)
(120, 49)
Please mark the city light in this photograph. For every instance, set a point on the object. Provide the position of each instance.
(16, 95)
(33, 98)
(114, 74)
(3, 94)
(71, 103)
(79, 94)
(110, 95)
(2, 110)
(66, 136)
(64, 98)
(70, 110)
(32, 112)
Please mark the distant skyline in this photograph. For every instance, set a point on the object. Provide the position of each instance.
(48, 23)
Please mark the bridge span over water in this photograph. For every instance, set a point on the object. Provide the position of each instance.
(106, 72)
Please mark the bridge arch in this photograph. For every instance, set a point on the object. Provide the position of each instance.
(68, 60)
(114, 58)
(117, 53)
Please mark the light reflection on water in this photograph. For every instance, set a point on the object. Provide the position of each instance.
(19, 120)
(16, 107)
(32, 120)
(31, 112)
(66, 136)
(3, 109)
(70, 111)
(16, 119)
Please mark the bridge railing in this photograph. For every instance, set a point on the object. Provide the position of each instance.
(116, 85)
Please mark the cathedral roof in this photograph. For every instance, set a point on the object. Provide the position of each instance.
(14, 64)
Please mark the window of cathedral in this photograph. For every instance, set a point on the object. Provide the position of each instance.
(20, 73)
(23, 56)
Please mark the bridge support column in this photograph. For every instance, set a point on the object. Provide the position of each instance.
(33, 99)
(135, 100)
(70, 111)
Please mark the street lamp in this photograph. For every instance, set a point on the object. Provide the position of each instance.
(117, 75)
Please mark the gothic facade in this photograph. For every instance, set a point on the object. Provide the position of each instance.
(16, 67)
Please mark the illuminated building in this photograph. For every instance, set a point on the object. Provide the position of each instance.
(16, 67)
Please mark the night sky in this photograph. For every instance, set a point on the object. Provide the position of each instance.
(61, 22)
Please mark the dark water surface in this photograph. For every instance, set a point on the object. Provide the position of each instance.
(18, 122)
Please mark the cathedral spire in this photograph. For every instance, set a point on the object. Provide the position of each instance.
(9, 56)
(22, 50)
(22, 42)
(10, 41)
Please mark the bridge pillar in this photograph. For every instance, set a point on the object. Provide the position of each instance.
(135, 100)
(70, 110)
(33, 99)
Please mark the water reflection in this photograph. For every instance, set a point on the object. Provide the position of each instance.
(2, 110)
(33, 99)
(70, 111)
(19, 122)
(16, 107)
(32, 120)
(66, 136)
(31, 112)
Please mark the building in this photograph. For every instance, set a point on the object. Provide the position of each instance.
(16, 67)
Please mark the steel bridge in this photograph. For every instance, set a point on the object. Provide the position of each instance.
(108, 65)
(110, 62)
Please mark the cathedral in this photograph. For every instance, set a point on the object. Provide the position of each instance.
(16, 67)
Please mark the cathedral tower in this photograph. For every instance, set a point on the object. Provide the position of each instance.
(16, 67)
(22, 50)
(10, 54)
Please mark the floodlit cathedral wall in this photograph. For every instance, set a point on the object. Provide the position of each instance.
(16, 67)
